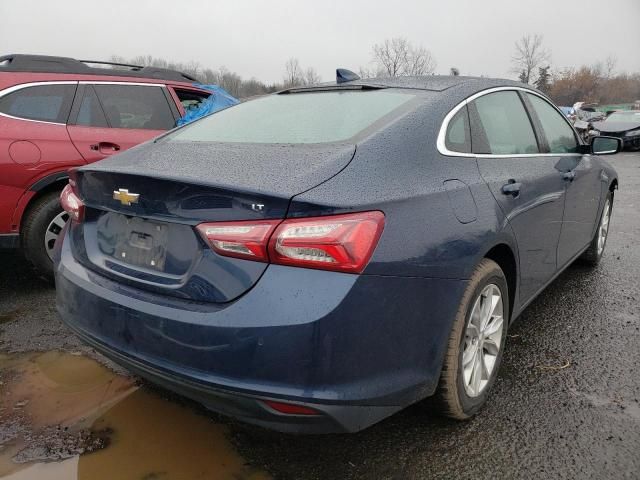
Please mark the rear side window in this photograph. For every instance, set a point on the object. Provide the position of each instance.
(505, 124)
(49, 103)
(559, 134)
(296, 118)
(135, 106)
(90, 113)
(458, 138)
(191, 99)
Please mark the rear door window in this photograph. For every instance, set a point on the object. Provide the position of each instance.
(135, 106)
(48, 103)
(559, 134)
(505, 124)
(90, 113)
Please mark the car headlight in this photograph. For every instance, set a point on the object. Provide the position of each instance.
(632, 133)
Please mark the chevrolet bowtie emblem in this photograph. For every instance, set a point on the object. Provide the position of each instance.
(124, 197)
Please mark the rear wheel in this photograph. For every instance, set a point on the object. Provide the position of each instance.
(593, 254)
(476, 343)
(41, 227)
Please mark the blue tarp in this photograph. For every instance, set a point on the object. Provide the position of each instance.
(219, 100)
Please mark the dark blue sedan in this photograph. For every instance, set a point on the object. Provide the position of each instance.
(318, 259)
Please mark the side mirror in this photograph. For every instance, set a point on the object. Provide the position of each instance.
(605, 145)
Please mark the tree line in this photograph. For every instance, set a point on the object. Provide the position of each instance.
(596, 83)
(531, 63)
(232, 82)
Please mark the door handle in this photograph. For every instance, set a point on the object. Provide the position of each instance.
(512, 188)
(105, 147)
(569, 176)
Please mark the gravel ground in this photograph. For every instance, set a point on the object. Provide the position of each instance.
(578, 421)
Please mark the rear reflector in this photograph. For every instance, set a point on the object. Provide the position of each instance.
(339, 242)
(246, 240)
(290, 408)
(342, 243)
(72, 204)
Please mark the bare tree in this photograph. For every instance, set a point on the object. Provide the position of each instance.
(294, 76)
(397, 56)
(529, 56)
(311, 77)
(419, 62)
(364, 72)
(230, 81)
(610, 64)
(391, 56)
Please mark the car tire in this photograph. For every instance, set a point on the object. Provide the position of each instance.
(44, 215)
(593, 254)
(457, 396)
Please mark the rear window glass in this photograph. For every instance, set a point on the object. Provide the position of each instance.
(49, 103)
(135, 106)
(295, 118)
(458, 138)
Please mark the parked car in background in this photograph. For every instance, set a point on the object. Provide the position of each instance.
(569, 112)
(624, 124)
(57, 113)
(585, 115)
(318, 259)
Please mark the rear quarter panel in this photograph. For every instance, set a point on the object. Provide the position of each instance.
(400, 172)
(29, 151)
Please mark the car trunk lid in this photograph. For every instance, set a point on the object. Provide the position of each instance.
(143, 205)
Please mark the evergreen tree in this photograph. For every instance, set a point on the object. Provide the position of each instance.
(544, 79)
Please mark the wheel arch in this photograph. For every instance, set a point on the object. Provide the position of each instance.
(614, 185)
(505, 257)
(44, 186)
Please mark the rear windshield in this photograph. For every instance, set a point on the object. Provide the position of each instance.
(295, 118)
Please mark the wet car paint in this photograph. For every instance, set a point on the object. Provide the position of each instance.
(575, 422)
(398, 169)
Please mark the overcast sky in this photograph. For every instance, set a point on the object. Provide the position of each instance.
(255, 38)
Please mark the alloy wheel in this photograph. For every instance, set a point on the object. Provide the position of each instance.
(603, 229)
(483, 340)
(53, 232)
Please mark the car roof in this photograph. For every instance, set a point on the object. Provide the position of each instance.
(21, 63)
(432, 83)
(437, 83)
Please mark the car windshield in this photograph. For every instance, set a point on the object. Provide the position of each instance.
(318, 117)
(624, 117)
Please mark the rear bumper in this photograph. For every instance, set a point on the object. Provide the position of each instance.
(354, 348)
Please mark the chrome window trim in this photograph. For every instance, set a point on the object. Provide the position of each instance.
(135, 84)
(22, 86)
(441, 140)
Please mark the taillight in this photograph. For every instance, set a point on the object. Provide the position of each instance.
(246, 240)
(338, 242)
(72, 204)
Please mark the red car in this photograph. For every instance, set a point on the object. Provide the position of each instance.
(57, 113)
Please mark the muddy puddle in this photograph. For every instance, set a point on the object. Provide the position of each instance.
(66, 417)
